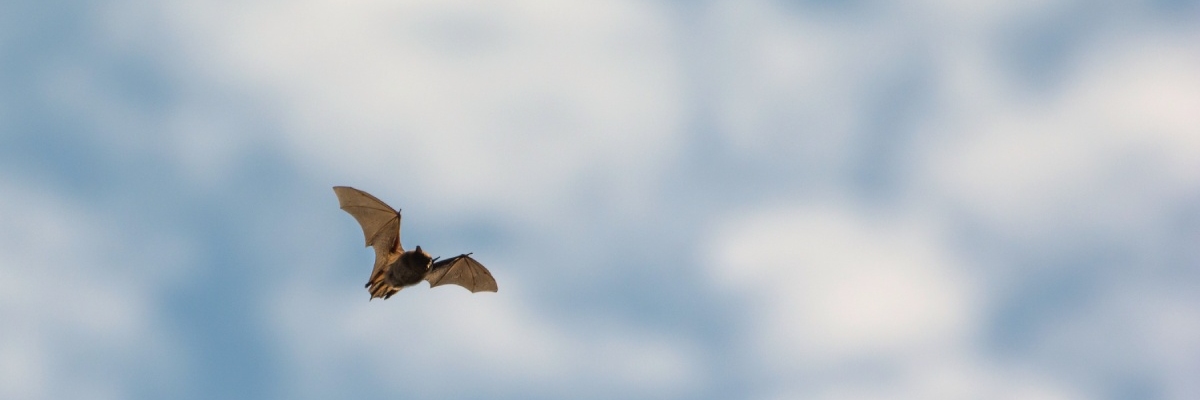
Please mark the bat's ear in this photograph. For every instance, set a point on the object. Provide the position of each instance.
(418, 250)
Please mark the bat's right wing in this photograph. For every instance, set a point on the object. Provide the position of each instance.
(380, 224)
(463, 271)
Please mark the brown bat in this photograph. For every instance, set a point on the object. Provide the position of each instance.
(396, 268)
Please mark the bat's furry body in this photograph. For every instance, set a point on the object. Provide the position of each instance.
(395, 268)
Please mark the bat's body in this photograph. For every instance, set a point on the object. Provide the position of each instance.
(395, 268)
(410, 268)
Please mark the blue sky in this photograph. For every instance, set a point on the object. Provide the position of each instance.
(745, 199)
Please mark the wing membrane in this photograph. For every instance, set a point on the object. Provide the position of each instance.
(380, 222)
(463, 271)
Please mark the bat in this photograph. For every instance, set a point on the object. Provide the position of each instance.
(395, 268)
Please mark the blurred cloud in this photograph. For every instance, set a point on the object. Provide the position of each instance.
(728, 199)
(836, 286)
(79, 315)
(833, 291)
(441, 343)
(471, 100)
(1123, 122)
(791, 87)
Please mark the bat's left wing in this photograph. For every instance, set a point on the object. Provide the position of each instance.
(464, 271)
(380, 225)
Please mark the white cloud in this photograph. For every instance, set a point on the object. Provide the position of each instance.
(830, 285)
(504, 105)
(74, 315)
(851, 303)
(1106, 152)
(446, 342)
(1105, 158)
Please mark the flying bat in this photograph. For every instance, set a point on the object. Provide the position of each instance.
(395, 268)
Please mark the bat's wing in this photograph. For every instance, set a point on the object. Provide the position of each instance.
(380, 224)
(463, 271)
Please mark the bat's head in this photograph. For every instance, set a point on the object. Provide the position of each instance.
(422, 256)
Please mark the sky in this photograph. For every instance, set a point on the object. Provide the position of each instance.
(721, 199)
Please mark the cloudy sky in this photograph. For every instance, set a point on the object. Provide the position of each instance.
(723, 199)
